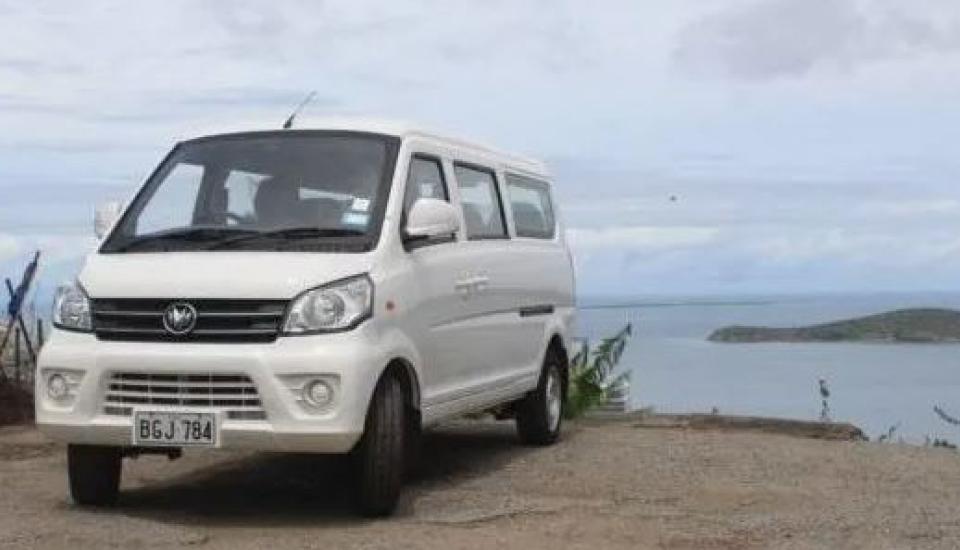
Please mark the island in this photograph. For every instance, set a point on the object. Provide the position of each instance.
(921, 325)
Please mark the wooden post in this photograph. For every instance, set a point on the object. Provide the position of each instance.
(16, 356)
(3, 369)
(39, 334)
(3, 347)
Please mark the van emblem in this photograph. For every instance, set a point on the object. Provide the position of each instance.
(179, 318)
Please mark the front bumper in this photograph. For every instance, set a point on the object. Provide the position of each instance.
(350, 361)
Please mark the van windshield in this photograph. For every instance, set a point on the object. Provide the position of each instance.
(263, 191)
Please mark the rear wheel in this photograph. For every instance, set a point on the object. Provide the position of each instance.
(540, 413)
(94, 473)
(380, 454)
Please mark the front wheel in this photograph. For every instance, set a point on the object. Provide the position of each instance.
(540, 413)
(380, 454)
(94, 473)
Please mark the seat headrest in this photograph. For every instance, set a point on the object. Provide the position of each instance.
(276, 200)
(473, 220)
(528, 219)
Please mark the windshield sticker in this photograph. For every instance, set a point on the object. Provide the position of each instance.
(354, 219)
(360, 204)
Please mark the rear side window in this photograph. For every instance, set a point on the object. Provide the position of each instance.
(480, 198)
(424, 181)
(531, 206)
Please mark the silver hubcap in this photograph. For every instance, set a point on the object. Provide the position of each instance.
(554, 398)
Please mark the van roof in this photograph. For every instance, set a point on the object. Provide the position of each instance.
(396, 128)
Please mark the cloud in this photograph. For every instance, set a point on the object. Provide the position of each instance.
(59, 248)
(787, 38)
(247, 96)
(640, 238)
(54, 247)
(937, 207)
(671, 183)
(60, 260)
(243, 17)
(25, 103)
(774, 259)
(881, 249)
(9, 247)
(32, 66)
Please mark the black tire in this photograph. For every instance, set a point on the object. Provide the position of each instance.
(536, 424)
(413, 443)
(94, 473)
(380, 454)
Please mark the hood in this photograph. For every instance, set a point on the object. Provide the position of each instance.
(261, 275)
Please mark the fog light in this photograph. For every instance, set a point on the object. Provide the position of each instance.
(318, 393)
(57, 387)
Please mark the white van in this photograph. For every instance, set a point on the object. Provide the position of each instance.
(329, 290)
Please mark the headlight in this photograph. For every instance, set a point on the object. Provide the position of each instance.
(318, 393)
(340, 305)
(61, 385)
(71, 308)
(57, 387)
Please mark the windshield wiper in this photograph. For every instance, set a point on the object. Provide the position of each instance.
(289, 233)
(198, 233)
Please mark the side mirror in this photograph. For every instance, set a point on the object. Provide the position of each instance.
(431, 218)
(105, 216)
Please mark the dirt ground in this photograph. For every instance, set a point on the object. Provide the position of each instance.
(16, 404)
(605, 485)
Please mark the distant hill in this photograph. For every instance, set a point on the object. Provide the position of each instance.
(929, 325)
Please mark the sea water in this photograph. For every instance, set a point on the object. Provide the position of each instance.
(674, 368)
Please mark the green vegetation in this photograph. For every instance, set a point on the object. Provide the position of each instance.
(940, 444)
(929, 325)
(888, 435)
(590, 373)
(949, 419)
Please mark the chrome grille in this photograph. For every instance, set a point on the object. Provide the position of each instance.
(234, 393)
(141, 320)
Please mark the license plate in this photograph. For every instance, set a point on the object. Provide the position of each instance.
(175, 429)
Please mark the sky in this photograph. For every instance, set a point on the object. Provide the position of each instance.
(722, 147)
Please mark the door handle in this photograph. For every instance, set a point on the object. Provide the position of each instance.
(470, 285)
(481, 283)
(463, 286)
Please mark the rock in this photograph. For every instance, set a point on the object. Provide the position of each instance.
(783, 426)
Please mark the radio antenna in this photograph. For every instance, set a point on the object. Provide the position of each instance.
(289, 122)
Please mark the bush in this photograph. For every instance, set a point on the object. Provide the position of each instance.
(591, 370)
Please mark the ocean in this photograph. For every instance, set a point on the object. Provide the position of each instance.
(875, 386)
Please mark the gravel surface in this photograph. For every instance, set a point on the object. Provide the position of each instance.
(605, 485)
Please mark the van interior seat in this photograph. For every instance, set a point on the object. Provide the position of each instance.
(474, 221)
(276, 198)
(278, 204)
(528, 219)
